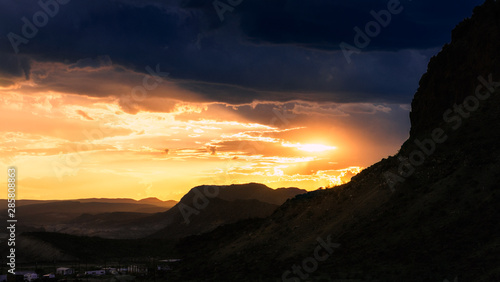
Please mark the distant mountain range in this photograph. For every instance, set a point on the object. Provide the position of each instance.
(128, 218)
(231, 203)
(123, 219)
(151, 201)
(60, 215)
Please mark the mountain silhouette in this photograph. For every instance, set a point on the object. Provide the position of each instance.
(206, 207)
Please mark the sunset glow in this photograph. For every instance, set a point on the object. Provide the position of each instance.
(311, 147)
(113, 145)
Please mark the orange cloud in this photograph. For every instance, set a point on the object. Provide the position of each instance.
(77, 126)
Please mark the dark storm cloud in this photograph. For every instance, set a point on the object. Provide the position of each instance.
(101, 61)
(326, 23)
(12, 68)
(263, 50)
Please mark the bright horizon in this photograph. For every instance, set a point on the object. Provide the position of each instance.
(68, 146)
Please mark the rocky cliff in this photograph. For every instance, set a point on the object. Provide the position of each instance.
(453, 74)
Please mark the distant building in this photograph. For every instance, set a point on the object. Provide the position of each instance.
(137, 269)
(165, 264)
(65, 271)
(170, 260)
(96, 272)
(123, 270)
(110, 270)
(49, 276)
(30, 276)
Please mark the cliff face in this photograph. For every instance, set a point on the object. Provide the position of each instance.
(453, 74)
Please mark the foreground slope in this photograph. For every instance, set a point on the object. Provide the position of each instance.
(405, 218)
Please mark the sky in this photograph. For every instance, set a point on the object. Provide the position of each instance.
(136, 99)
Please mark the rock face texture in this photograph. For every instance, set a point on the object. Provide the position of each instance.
(453, 74)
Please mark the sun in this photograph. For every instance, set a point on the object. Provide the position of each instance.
(311, 148)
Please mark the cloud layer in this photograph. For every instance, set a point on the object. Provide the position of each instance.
(284, 50)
